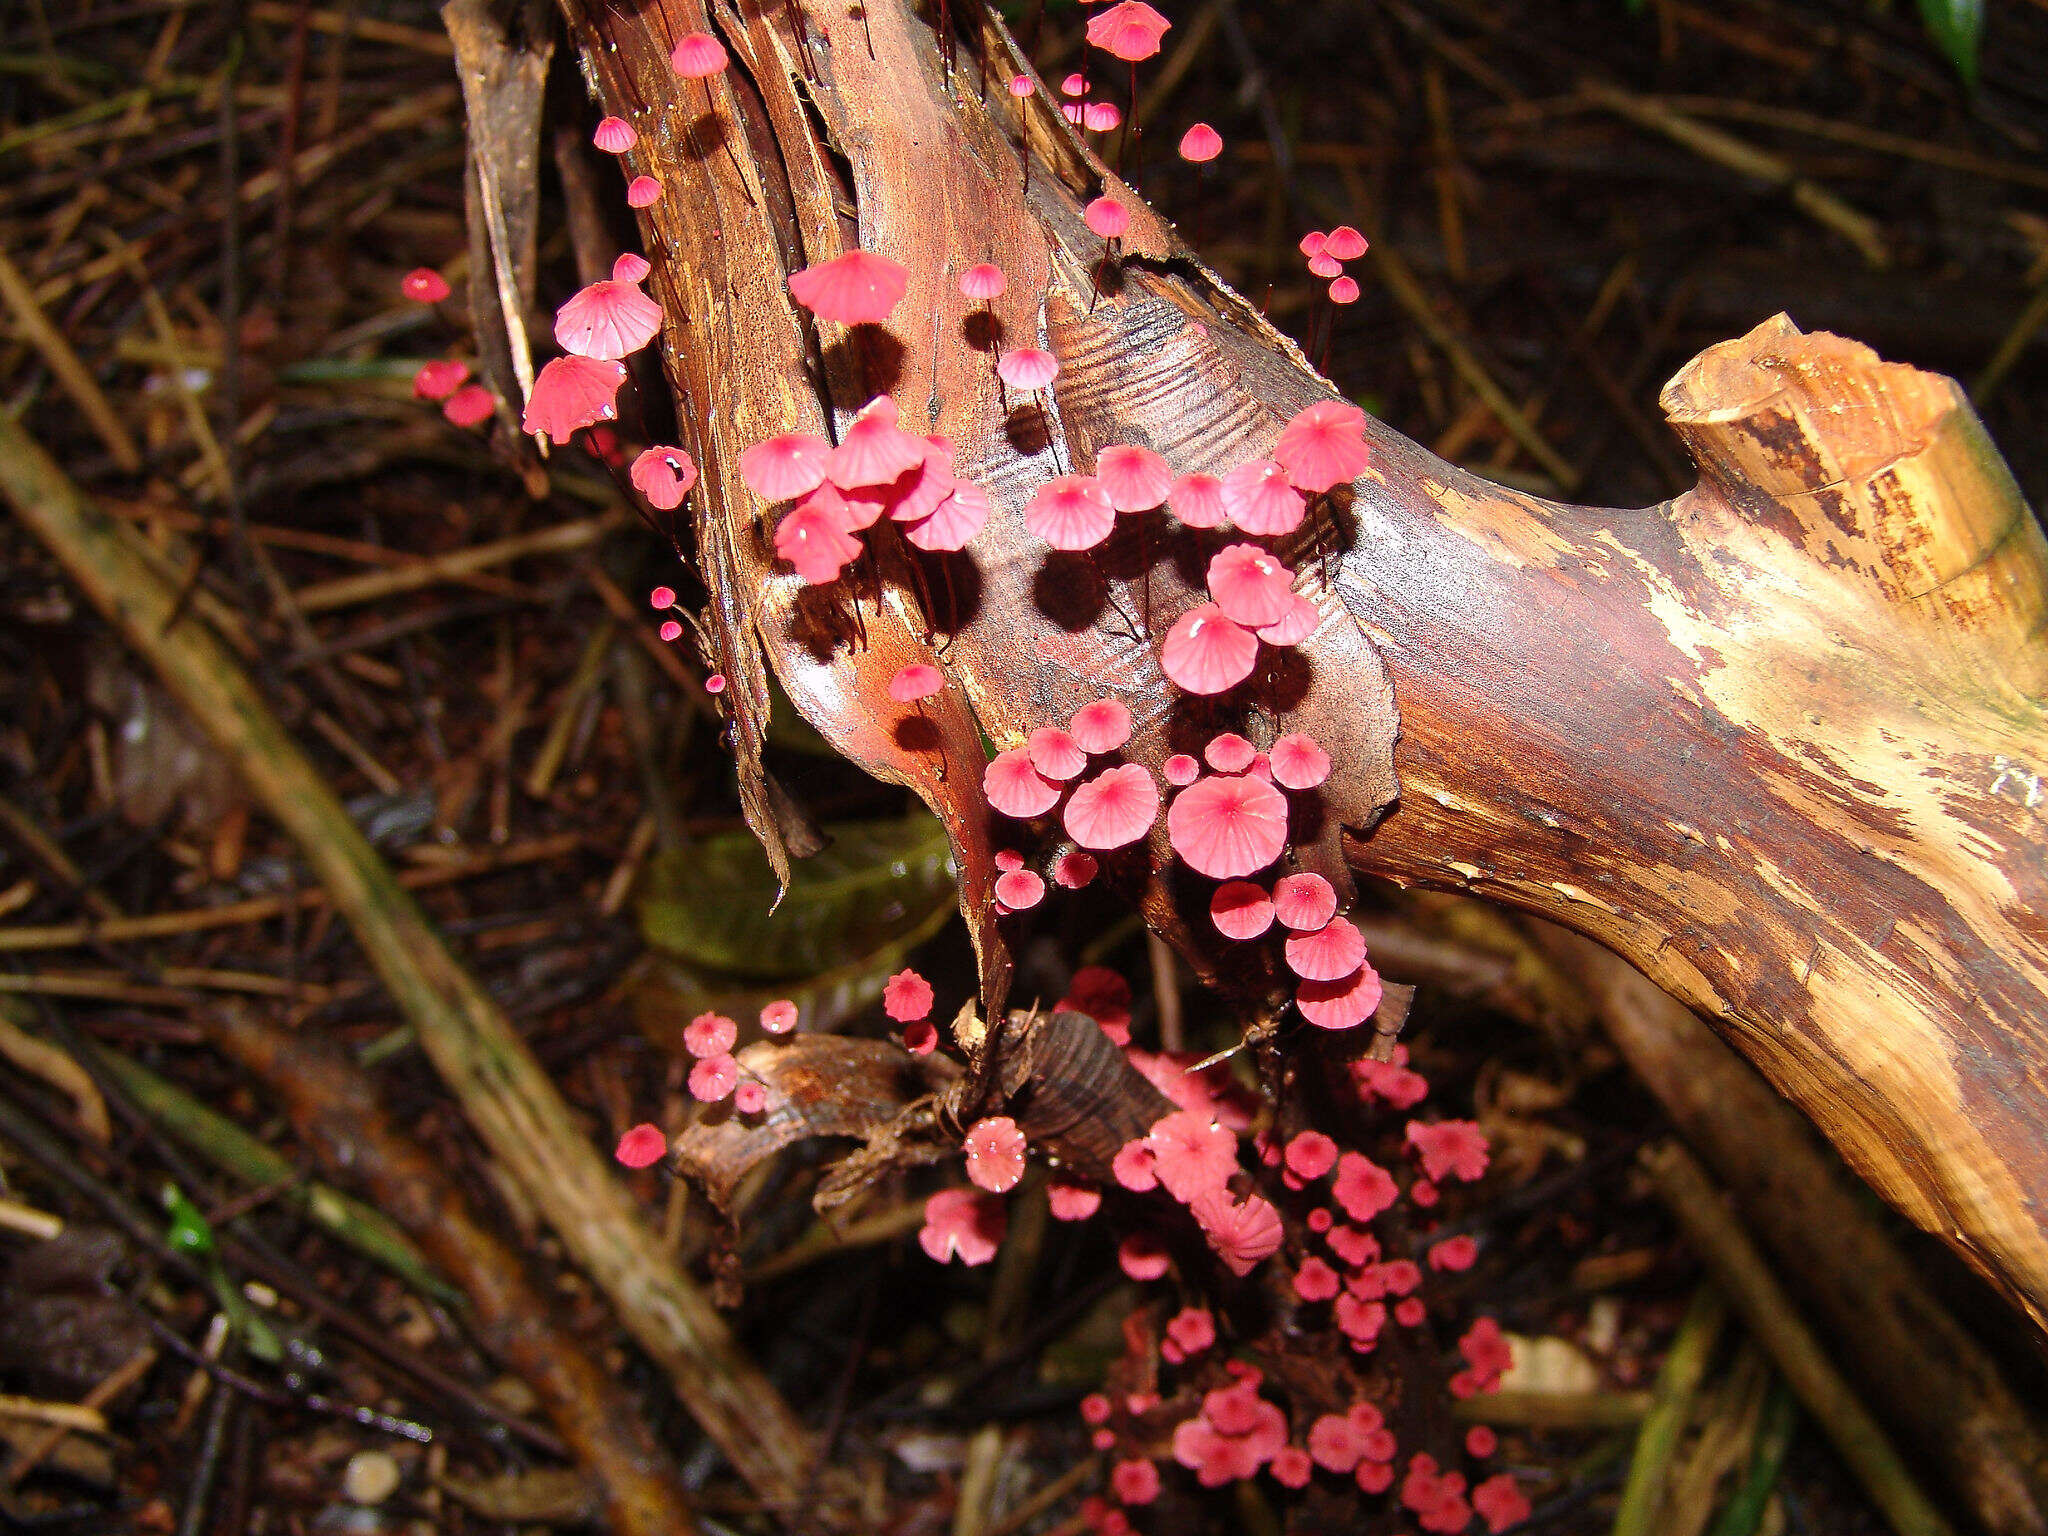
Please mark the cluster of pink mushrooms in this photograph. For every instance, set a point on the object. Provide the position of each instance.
(1072, 786)
(1333, 1263)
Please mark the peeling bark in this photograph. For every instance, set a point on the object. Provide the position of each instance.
(1777, 742)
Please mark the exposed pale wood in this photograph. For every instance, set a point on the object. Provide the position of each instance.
(1777, 741)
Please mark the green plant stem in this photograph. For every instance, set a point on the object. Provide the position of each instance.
(1678, 1383)
(1770, 1315)
(1744, 1510)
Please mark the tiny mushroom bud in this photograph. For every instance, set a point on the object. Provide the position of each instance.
(470, 406)
(439, 379)
(423, 285)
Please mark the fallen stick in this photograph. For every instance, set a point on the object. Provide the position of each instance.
(1678, 1383)
(504, 1093)
(164, 925)
(556, 539)
(228, 1147)
(337, 1113)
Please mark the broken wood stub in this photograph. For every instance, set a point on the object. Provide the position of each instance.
(1877, 470)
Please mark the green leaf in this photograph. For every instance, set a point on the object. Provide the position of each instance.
(879, 886)
(1957, 27)
(189, 1231)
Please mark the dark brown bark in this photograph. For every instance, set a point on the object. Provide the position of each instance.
(1776, 741)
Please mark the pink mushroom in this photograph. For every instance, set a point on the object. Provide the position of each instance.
(1240, 910)
(607, 319)
(1225, 827)
(995, 1154)
(1102, 725)
(642, 1146)
(788, 465)
(1113, 809)
(664, 476)
(1016, 788)
(858, 287)
(573, 393)
(1205, 652)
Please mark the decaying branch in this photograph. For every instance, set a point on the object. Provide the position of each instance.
(1778, 742)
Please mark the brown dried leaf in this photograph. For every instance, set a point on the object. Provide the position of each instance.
(817, 1085)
